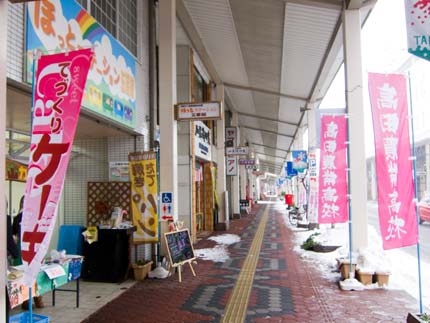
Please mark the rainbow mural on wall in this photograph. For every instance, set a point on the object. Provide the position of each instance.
(62, 25)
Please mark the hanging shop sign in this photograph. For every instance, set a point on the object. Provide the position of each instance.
(233, 151)
(202, 141)
(144, 192)
(397, 215)
(300, 160)
(418, 28)
(59, 83)
(333, 189)
(290, 170)
(230, 136)
(63, 25)
(198, 111)
(250, 162)
(15, 171)
(119, 172)
(232, 165)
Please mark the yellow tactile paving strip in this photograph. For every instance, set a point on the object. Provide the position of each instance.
(235, 311)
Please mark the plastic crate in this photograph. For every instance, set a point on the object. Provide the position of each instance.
(24, 317)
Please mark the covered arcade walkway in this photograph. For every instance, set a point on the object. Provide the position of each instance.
(263, 281)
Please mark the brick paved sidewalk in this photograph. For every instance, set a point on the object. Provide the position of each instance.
(286, 289)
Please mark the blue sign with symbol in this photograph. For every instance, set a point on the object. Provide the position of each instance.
(166, 197)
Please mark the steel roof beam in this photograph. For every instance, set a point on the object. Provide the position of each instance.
(266, 146)
(268, 131)
(267, 118)
(265, 91)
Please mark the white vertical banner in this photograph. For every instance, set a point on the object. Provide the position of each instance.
(232, 165)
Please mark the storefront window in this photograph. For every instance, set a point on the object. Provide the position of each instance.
(118, 17)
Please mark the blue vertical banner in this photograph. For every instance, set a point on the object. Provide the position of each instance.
(290, 170)
(300, 160)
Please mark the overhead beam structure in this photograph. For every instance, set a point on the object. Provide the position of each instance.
(267, 118)
(264, 154)
(268, 131)
(265, 91)
(271, 147)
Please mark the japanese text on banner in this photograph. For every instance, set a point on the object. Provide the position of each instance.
(59, 84)
(332, 197)
(397, 215)
(144, 192)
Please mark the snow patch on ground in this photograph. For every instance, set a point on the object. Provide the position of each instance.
(219, 253)
(226, 239)
(402, 266)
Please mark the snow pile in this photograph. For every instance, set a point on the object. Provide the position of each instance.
(402, 265)
(219, 253)
(225, 239)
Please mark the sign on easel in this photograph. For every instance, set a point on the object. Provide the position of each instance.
(180, 250)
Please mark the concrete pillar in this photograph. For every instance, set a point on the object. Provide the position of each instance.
(235, 194)
(354, 108)
(221, 177)
(243, 176)
(167, 84)
(3, 250)
(312, 128)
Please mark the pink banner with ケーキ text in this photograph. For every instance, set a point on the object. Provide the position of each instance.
(397, 215)
(333, 190)
(58, 88)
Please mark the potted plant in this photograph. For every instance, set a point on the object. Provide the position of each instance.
(412, 318)
(365, 276)
(141, 269)
(382, 278)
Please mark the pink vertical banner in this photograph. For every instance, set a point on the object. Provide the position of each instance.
(58, 89)
(397, 215)
(333, 190)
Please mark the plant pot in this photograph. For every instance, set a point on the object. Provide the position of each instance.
(382, 278)
(344, 268)
(414, 318)
(365, 277)
(141, 271)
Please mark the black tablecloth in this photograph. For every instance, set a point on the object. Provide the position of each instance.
(107, 259)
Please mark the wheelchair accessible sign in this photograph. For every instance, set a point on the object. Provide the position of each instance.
(166, 206)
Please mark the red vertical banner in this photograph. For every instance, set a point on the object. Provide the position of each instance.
(397, 215)
(58, 88)
(333, 189)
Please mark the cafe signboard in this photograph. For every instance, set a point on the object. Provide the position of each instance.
(198, 111)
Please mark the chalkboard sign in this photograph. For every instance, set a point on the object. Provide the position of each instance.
(179, 247)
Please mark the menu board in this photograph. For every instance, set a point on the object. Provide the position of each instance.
(179, 247)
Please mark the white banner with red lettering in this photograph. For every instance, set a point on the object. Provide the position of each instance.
(333, 189)
(58, 89)
(397, 215)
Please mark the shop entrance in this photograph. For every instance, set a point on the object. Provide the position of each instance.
(204, 198)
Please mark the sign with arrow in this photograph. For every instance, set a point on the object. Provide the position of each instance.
(166, 206)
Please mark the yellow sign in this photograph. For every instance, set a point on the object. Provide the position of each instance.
(16, 171)
(144, 192)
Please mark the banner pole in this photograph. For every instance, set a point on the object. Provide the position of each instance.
(416, 194)
(33, 81)
(30, 304)
(348, 170)
(157, 158)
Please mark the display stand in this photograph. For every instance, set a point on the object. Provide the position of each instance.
(180, 250)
